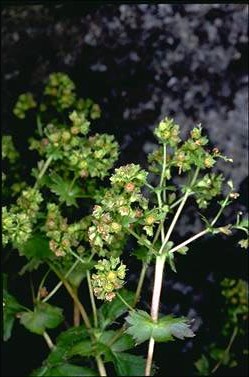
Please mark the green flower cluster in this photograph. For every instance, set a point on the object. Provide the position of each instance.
(121, 206)
(8, 149)
(18, 221)
(236, 295)
(110, 277)
(192, 153)
(86, 156)
(90, 109)
(29, 201)
(61, 90)
(129, 177)
(64, 236)
(17, 227)
(207, 188)
(24, 103)
(167, 132)
(80, 123)
(93, 156)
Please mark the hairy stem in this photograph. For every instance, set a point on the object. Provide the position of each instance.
(189, 240)
(95, 315)
(74, 297)
(101, 366)
(150, 357)
(234, 334)
(140, 283)
(162, 180)
(48, 340)
(60, 283)
(124, 301)
(160, 261)
(43, 170)
(76, 312)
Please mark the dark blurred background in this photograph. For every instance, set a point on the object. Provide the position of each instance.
(141, 63)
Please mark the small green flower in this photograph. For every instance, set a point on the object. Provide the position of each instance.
(80, 123)
(29, 201)
(17, 227)
(60, 90)
(109, 278)
(8, 149)
(24, 103)
(208, 187)
(168, 132)
(129, 176)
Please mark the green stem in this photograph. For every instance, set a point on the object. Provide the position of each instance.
(74, 297)
(95, 315)
(101, 366)
(178, 212)
(124, 302)
(189, 240)
(162, 180)
(158, 279)
(48, 340)
(142, 241)
(72, 183)
(60, 283)
(77, 256)
(41, 285)
(39, 125)
(43, 170)
(220, 211)
(234, 334)
(140, 283)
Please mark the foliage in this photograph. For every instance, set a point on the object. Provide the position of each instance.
(235, 314)
(75, 222)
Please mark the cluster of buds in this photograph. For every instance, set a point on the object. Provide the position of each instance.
(94, 157)
(29, 201)
(236, 295)
(108, 279)
(24, 103)
(121, 206)
(209, 186)
(88, 107)
(61, 90)
(192, 153)
(8, 149)
(80, 123)
(129, 177)
(152, 217)
(17, 227)
(167, 132)
(64, 236)
(104, 228)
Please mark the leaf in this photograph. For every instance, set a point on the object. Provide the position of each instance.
(83, 348)
(141, 327)
(63, 188)
(171, 260)
(64, 370)
(183, 250)
(109, 311)
(202, 365)
(65, 341)
(128, 365)
(124, 343)
(142, 253)
(36, 247)
(10, 308)
(44, 316)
